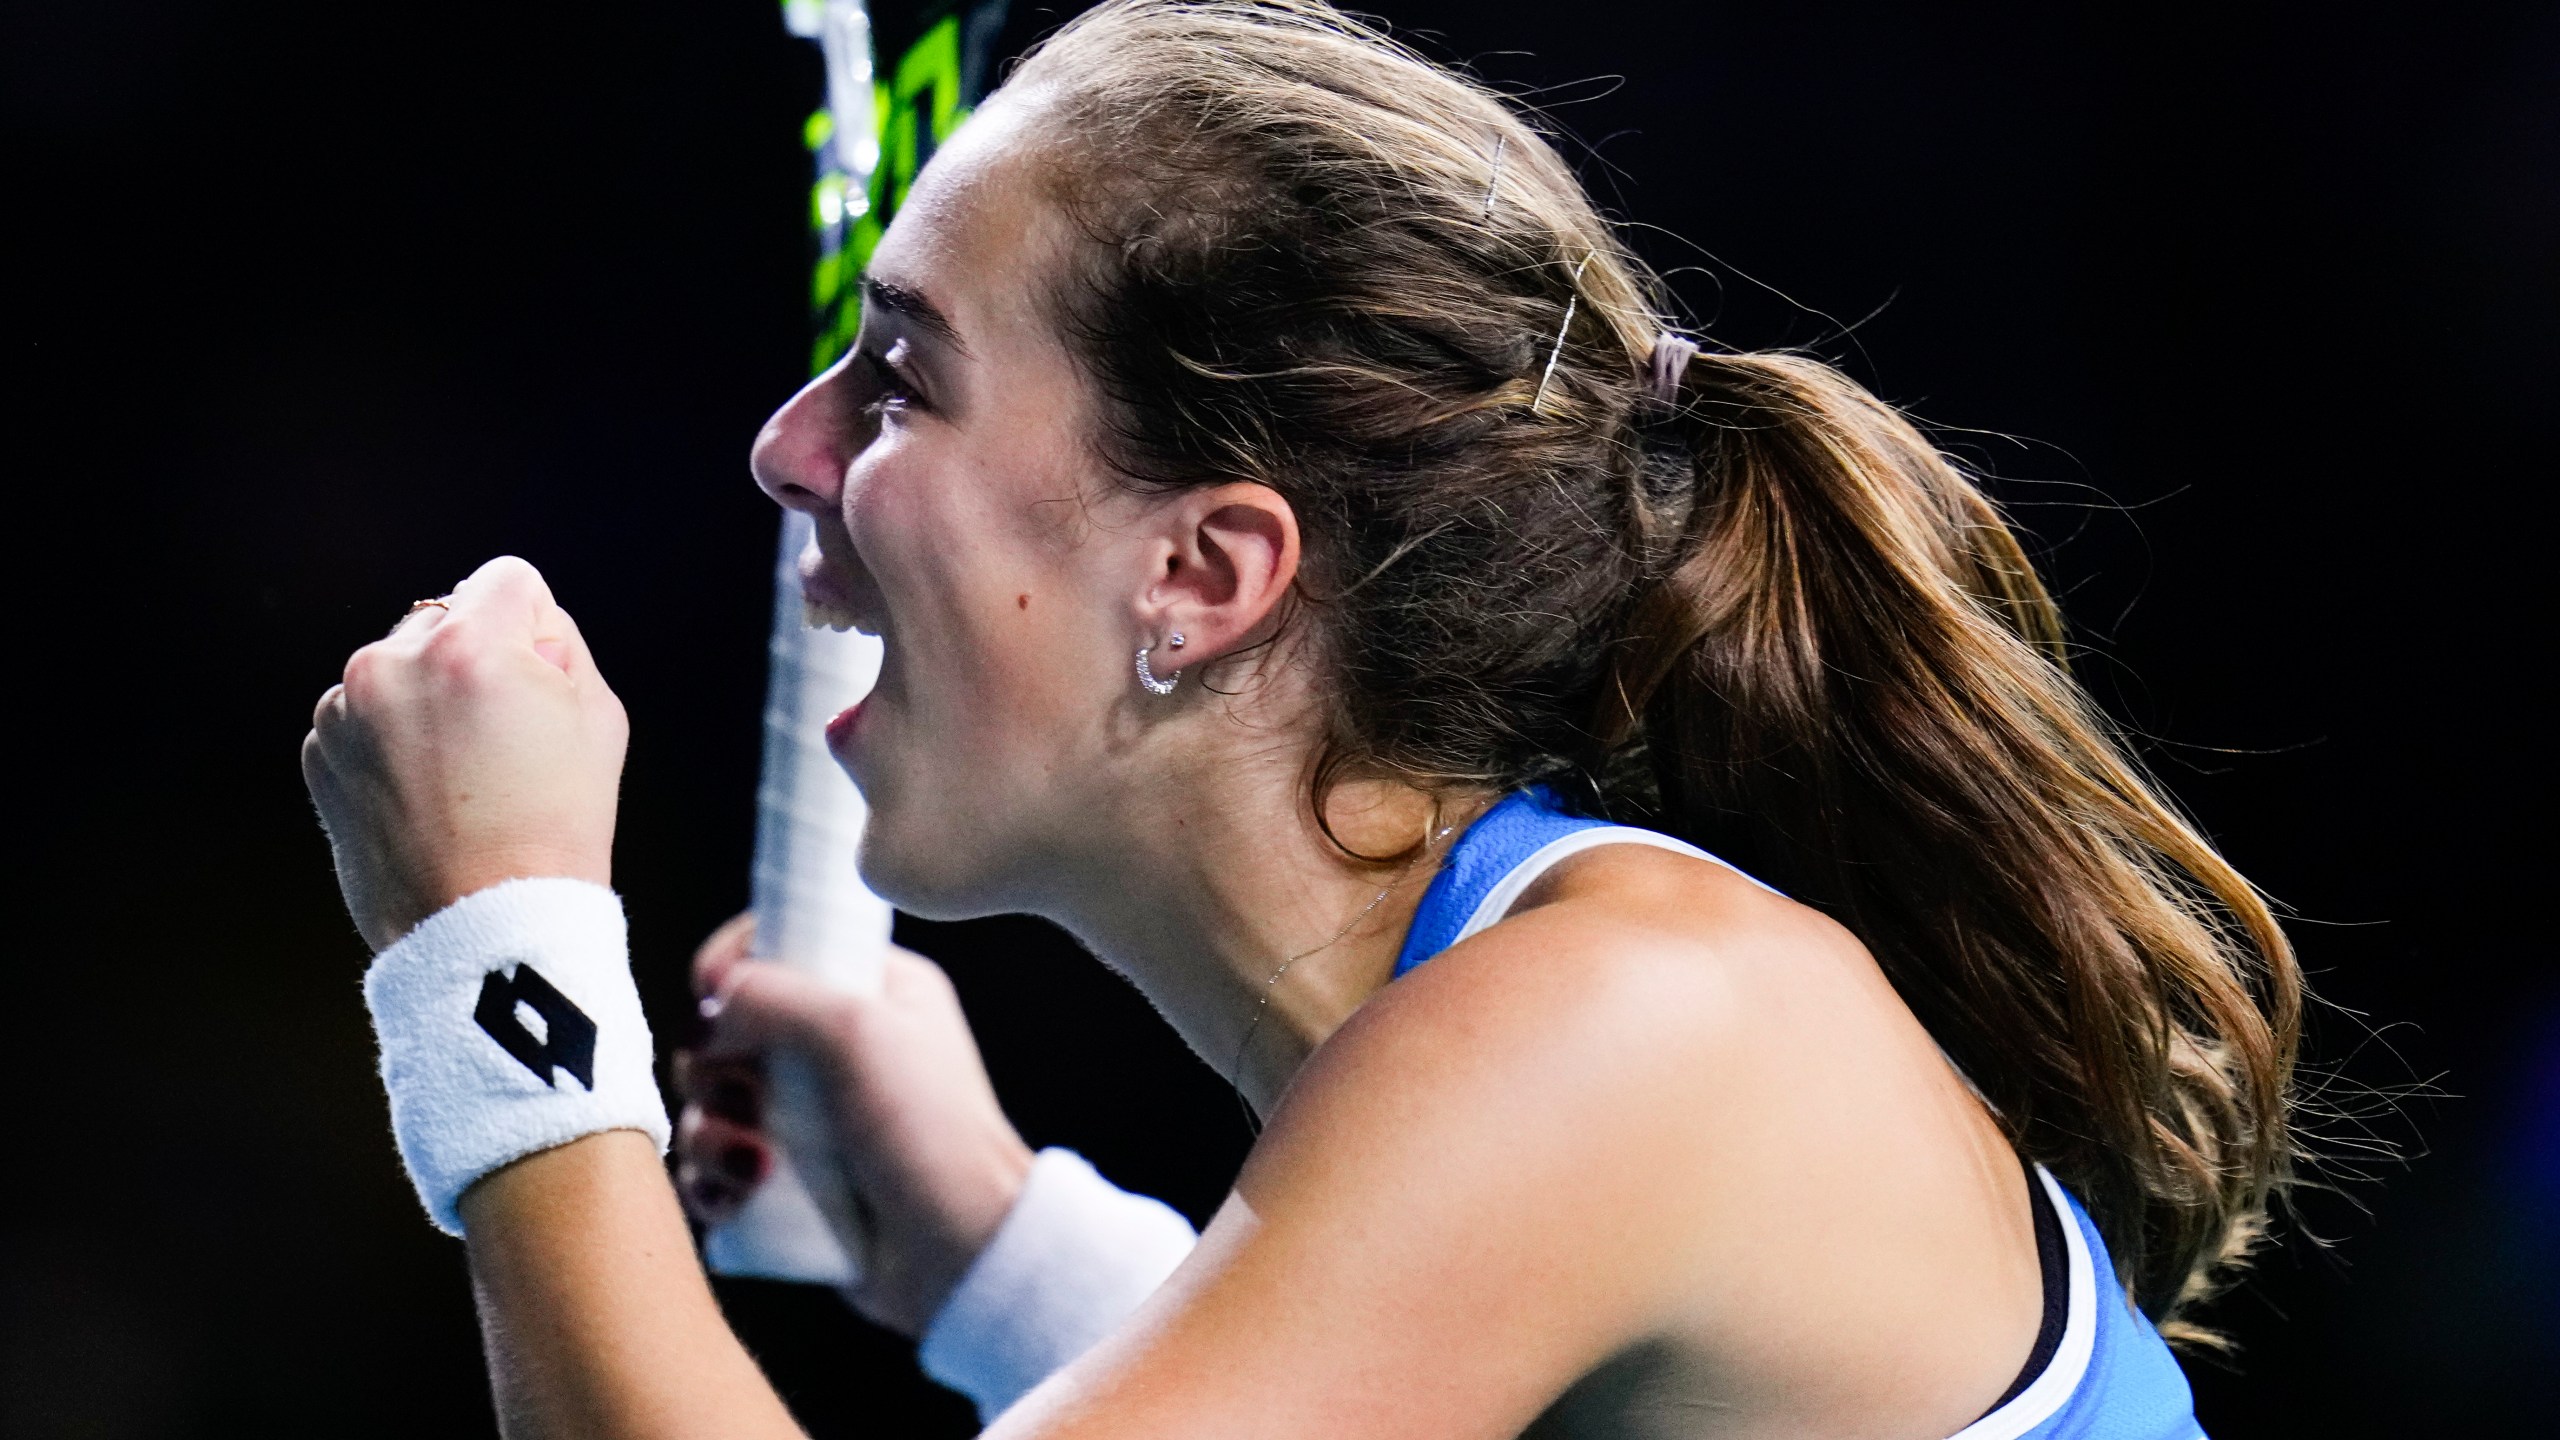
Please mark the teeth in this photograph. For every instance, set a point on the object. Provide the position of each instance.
(819, 615)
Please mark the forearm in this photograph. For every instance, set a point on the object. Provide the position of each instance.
(595, 1312)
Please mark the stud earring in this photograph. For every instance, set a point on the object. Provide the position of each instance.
(1147, 679)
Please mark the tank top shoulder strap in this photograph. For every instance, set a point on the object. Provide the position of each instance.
(1502, 854)
(2098, 1370)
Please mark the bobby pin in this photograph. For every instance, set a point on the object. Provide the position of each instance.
(1538, 402)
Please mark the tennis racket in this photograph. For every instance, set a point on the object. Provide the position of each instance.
(812, 910)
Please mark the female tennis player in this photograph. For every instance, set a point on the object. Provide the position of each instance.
(1617, 809)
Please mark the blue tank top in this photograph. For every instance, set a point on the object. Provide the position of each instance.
(2101, 1373)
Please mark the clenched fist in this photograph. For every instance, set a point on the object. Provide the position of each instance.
(473, 744)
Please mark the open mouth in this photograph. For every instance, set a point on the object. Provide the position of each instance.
(825, 597)
(820, 614)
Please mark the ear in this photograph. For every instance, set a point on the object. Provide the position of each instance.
(1230, 553)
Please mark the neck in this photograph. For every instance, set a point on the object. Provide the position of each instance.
(1245, 927)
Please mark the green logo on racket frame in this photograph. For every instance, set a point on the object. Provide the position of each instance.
(867, 163)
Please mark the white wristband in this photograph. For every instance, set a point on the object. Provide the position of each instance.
(509, 1025)
(1074, 1257)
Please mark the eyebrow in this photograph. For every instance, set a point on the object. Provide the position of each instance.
(899, 300)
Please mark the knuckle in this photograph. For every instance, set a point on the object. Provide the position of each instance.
(515, 575)
(452, 653)
(364, 670)
(727, 942)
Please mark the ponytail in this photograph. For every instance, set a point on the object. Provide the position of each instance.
(1850, 681)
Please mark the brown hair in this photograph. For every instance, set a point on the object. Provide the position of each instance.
(1769, 617)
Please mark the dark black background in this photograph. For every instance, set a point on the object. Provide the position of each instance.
(2249, 310)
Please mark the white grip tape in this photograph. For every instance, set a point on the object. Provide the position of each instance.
(1075, 1257)
(509, 1024)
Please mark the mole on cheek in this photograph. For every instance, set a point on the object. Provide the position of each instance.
(1021, 602)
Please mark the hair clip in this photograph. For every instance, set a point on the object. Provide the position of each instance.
(1538, 401)
(1671, 357)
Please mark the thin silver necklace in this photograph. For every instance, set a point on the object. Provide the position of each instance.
(1235, 1068)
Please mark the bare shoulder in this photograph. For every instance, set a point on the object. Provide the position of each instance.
(1657, 1110)
(1625, 970)
(1701, 1099)
(1645, 1038)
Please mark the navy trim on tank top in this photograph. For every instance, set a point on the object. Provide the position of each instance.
(2053, 1270)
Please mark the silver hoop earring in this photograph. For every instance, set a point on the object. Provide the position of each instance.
(1147, 677)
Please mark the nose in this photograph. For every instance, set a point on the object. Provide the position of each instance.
(800, 456)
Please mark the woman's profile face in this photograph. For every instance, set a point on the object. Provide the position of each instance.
(962, 517)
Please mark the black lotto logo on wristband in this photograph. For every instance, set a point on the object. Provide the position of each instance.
(568, 1039)
(476, 998)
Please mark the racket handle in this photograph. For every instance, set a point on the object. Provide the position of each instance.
(797, 1225)
(812, 913)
